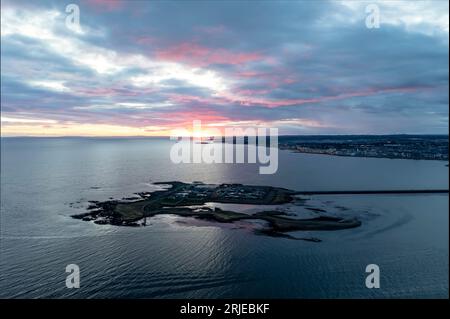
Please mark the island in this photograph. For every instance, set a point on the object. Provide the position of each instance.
(186, 199)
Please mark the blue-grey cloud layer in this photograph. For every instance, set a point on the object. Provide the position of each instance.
(305, 67)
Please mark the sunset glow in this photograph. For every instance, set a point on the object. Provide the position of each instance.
(110, 77)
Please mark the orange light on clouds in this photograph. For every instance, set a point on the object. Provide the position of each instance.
(75, 129)
(44, 127)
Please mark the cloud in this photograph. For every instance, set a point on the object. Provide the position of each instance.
(200, 56)
(304, 67)
(57, 86)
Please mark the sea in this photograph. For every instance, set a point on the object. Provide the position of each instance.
(46, 180)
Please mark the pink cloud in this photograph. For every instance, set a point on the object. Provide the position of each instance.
(249, 92)
(289, 80)
(194, 54)
(250, 74)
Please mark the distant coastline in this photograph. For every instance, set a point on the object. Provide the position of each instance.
(401, 146)
(392, 146)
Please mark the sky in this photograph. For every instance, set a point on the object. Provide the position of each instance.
(147, 68)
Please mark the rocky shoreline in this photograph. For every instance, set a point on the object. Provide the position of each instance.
(178, 198)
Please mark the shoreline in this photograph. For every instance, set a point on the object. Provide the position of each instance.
(292, 150)
(176, 199)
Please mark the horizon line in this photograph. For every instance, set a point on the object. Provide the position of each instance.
(167, 136)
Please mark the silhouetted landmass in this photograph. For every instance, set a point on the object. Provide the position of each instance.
(417, 147)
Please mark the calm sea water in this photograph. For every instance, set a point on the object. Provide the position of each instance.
(45, 180)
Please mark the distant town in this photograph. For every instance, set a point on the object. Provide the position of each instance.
(417, 147)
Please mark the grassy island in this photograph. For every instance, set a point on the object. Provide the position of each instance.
(181, 198)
